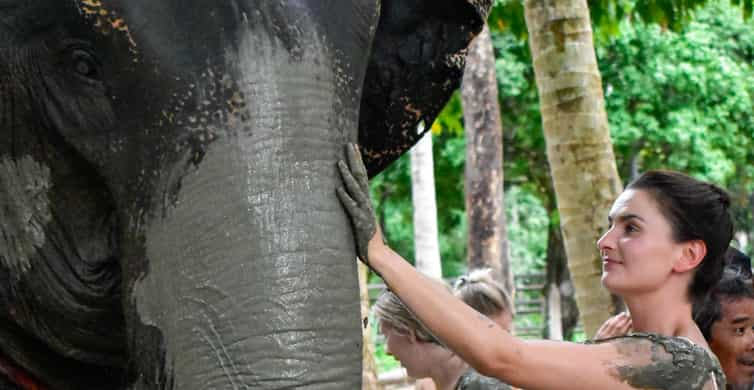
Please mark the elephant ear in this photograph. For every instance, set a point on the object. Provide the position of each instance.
(417, 61)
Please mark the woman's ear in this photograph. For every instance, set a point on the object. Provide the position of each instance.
(692, 253)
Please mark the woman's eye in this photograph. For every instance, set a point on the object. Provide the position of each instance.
(631, 228)
(740, 331)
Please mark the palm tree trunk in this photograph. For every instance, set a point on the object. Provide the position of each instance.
(488, 244)
(579, 149)
(426, 244)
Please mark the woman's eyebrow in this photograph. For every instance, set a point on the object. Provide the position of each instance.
(625, 217)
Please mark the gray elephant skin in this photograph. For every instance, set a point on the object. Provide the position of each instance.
(168, 217)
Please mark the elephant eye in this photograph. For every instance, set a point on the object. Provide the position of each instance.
(84, 64)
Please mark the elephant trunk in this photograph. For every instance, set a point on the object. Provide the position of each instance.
(246, 282)
(250, 273)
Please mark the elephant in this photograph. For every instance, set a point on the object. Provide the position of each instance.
(168, 218)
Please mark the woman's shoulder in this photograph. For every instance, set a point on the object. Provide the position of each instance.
(472, 380)
(665, 362)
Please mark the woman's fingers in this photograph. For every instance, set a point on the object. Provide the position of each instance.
(354, 196)
(351, 206)
(354, 188)
(357, 166)
(617, 325)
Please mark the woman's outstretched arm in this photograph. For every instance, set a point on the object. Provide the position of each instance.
(479, 341)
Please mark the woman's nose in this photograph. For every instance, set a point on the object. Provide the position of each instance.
(606, 241)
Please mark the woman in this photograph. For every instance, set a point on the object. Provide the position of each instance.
(664, 249)
(484, 294)
(421, 354)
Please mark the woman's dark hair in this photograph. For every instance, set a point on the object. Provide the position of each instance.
(696, 210)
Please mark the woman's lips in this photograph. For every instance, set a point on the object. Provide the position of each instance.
(608, 262)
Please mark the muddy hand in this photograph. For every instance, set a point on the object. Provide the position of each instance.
(355, 199)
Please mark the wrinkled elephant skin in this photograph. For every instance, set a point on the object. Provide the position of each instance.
(167, 208)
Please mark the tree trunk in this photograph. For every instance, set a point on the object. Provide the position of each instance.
(488, 244)
(562, 320)
(369, 366)
(579, 149)
(554, 315)
(426, 245)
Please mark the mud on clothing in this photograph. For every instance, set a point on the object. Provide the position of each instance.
(676, 363)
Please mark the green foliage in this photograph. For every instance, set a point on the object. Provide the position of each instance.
(678, 100)
(683, 100)
(746, 6)
(667, 13)
(527, 223)
(607, 15)
(508, 15)
(391, 193)
(450, 119)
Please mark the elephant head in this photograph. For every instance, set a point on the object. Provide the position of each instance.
(167, 208)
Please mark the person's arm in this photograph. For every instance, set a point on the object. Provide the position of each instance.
(480, 342)
(487, 347)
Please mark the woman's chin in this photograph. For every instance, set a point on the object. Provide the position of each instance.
(610, 283)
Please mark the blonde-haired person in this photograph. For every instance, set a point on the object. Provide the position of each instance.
(483, 293)
(421, 354)
(663, 250)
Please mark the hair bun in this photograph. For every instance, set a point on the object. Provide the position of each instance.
(462, 280)
(723, 196)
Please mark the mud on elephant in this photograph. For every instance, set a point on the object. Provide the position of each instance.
(167, 214)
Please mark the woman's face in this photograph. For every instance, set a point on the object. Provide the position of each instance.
(404, 348)
(638, 250)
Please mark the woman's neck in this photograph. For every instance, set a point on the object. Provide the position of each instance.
(447, 372)
(660, 313)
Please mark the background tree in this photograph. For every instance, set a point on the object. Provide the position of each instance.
(488, 242)
(425, 208)
(579, 149)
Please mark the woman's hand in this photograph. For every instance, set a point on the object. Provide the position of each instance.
(618, 325)
(355, 199)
